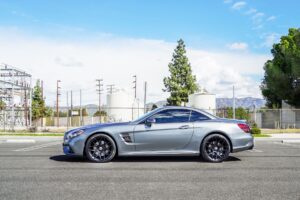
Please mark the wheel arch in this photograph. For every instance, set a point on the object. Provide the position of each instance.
(101, 132)
(220, 133)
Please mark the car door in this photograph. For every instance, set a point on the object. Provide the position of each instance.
(172, 130)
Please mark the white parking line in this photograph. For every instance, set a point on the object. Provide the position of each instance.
(20, 141)
(255, 151)
(39, 146)
(290, 141)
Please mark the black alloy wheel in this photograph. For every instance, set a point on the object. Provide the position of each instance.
(100, 148)
(215, 148)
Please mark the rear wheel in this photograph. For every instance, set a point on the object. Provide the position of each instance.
(215, 148)
(100, 148)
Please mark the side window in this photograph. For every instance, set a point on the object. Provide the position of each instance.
(196, 116)
(172, 116)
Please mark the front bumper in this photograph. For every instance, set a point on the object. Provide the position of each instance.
(67, 149)
(74, 146)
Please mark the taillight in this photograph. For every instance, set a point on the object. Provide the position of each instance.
(244, 127)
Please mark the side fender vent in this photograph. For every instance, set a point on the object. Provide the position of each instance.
(126, 137)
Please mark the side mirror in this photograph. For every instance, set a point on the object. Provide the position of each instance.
(150, 121)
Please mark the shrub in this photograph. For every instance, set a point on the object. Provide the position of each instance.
(32, 129)
(255, 129)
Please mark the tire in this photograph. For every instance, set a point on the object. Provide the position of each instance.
(100, 148)
(215, 148)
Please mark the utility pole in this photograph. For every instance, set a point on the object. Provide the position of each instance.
(233, 102)
(26, 107)
(80, 108)
(99, 91)
(68, 111)
(71, 108)
(135, 84)
(57, 100)
(145, 96)
(42, 91)
(110, 88)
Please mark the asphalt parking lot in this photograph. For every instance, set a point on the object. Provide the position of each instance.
(40, 171)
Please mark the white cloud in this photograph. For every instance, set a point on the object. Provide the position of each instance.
(258, 17)
(238, 46)
(251, 11)
(78, 63)
(271, 18)
(239, 5)
(270, 39)
(227, 1)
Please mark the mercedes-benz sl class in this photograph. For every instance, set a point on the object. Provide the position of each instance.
(166, 131)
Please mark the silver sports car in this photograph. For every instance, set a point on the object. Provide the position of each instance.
(166, 131)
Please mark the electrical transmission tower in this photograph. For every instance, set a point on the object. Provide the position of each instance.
(15, 97)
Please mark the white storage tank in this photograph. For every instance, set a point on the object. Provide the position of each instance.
(122, 106)
(203, 100)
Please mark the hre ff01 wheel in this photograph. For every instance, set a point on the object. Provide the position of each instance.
(215, 148)
(100, 148)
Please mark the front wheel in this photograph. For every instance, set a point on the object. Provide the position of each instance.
(100, 148)
(215, 148)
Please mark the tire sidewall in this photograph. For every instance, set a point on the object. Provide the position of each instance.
(204, 153)
(89, 156)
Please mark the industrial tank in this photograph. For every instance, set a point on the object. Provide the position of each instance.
(122, 106)
(203, 100)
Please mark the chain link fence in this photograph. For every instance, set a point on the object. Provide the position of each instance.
(264, 118)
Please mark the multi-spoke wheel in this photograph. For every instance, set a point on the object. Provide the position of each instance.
(215, 148)
(100, 148)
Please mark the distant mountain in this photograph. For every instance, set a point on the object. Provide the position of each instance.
(247, 102)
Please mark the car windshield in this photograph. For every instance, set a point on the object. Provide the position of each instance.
(145, 115)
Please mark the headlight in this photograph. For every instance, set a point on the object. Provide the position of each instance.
(71, 135)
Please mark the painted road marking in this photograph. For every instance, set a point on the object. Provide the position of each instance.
(290, 141)
(288, 144)
(255, 151)
(20, 141)
(39, 146)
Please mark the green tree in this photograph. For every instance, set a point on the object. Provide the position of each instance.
(282, 73)
(38, 103)
(98, 113)
(181, 81)
(154, 106)
(2, 105)
(240, 113)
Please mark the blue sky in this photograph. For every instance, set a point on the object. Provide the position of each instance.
(231, 37)
(201, 23)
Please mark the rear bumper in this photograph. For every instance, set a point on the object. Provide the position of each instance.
(243, 143)
(238, 149)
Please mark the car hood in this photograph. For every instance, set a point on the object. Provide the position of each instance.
(101, 125)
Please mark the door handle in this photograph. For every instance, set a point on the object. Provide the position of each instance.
(184, 127)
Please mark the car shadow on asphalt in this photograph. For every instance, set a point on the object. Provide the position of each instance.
(66, 158)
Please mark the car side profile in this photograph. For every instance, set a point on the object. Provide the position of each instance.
(166, 131)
